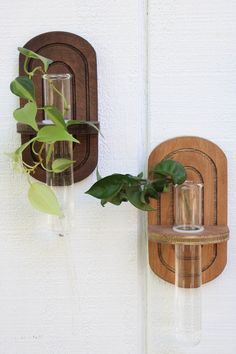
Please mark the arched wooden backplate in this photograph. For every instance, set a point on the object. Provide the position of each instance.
(205, 162)
(70, 54)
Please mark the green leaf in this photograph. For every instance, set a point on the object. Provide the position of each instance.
(117, 199)
(23, 87)
(55, 115)
(52, 133)
(135, 197)
(112, 188)
(159, 183)
(13, 156)
(143, 197)
(79, 122)
(172, 169)
(166, 189)
(120, 197)
(107, 187)
(43, 199)
(27, 115)
(30, 54)
(151, 192)
(16, 156)
(60, 165)
(24, 146)
(49, 152)
(140, 175)
(103, 202)
(132, 180)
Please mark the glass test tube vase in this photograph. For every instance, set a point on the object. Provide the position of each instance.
(58, 93)
(188, 281)
(188, 263)
(188, 207)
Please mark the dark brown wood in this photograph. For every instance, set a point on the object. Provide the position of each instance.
(205, 162)
(71, 54)
(73, 129)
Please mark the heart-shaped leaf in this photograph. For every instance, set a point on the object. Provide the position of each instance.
(30, 54)
(150, 191)
(132, 180)
(60, 165)
(135, 197)
(79, 122)
(27, 115)
(159, 183)
(17, 154)
(52, 133)
(43, 199)
(107, 187)
(55, 116)
(24, 146)
(172, 169)
(23, 87)
(119, 198)
(118, 188)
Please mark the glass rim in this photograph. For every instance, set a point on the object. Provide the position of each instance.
(189, 183)
(59, 76)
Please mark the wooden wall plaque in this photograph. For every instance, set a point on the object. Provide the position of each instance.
(71, 54)
(205, 162)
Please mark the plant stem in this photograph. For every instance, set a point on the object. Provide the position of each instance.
(31, 73)
(25, 66)
(33, 149)
(45, 168)
(61, 95)
(30, 167)
(39, 68)
(49, 152)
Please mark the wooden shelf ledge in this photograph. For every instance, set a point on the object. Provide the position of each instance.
(210, 235)
(73, 129)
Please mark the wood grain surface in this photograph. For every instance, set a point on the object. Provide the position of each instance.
(74, 55)
(205, 162)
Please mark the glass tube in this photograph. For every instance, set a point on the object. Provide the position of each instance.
(57, 93)
(188, 207)
(188, 281)
(63, 186)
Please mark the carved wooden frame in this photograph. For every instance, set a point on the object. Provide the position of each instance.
(205, 162)
(71, 54)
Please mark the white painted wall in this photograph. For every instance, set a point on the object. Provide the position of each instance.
(38, 306)
(192, 86)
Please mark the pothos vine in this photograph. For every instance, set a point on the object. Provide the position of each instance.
(41, 196)
(114, 189)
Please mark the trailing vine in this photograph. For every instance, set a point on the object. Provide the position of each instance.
(41, 196)
(118, 188)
